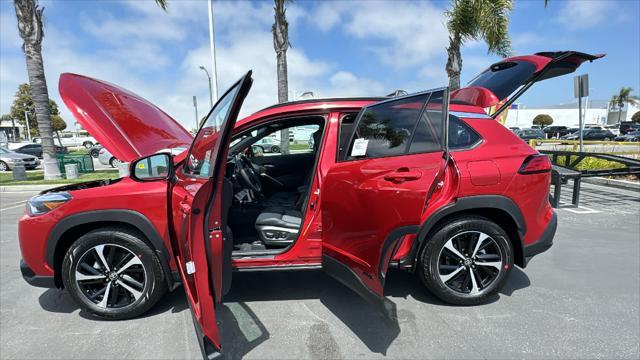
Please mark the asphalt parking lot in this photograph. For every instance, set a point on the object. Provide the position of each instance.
(579, 300)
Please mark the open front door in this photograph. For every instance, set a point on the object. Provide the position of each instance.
(378, 192)
(200, 200)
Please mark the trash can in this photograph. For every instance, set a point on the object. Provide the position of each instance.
(19, 173)
(71, 171)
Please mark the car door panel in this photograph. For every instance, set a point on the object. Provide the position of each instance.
(199, 199)
(369, 204)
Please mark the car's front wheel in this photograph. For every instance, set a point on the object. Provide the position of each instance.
(466, 261)
(113, 274)
(87, 144)
(3, 166)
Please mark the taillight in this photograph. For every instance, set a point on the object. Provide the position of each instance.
(535, 164)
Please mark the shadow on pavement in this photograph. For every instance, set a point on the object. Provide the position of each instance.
(242, 331)
(59, 301)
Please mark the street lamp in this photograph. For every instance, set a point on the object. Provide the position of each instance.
(210, 91)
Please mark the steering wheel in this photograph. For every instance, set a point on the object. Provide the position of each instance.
(248, 176)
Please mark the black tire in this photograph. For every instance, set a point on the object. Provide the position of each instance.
(87, 144)
(607, 139)
(430, 262)
(3, 166)
(114, 162)
(275, 149)
(94, 153)
(127, 305)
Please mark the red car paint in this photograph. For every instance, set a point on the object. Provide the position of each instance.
(353, 210)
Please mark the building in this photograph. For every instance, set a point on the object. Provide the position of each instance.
(594, 112)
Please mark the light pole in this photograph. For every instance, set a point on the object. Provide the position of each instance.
(26, 118)
(210, 93)
(212, 48)
(195, 106)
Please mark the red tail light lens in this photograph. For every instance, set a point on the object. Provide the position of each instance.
(535, 164)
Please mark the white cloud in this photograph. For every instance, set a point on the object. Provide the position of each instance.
(583, 14)
(406, 33)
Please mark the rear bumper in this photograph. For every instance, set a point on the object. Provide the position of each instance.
(36, 280)
(545, 242)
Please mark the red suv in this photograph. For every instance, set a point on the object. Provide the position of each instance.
(427, 183)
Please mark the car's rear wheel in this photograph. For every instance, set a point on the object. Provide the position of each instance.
(275, 149)
(3, 166)
(114, 162)
(607, 139)
(466, 261)
(87, 144)
(113, 274)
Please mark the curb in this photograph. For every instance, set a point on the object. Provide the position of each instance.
(620, 184)
(9, 188)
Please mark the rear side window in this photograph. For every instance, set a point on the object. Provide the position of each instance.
(461, 135)
(411, 124)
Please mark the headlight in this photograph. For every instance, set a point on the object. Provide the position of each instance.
(41, 204)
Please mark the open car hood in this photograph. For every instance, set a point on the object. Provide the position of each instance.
(496, 84)
(124, 123)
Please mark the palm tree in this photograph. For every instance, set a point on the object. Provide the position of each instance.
(487, 20)
(622, 97)
(280, 30)
(31, 30)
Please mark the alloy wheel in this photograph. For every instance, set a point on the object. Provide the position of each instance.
(470, 262)
(3, 166)
(110, 276)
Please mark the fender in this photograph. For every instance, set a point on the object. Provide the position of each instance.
(129, 217)
(468, 203)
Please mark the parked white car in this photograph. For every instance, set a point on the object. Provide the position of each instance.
(71, 140)
(105, 158)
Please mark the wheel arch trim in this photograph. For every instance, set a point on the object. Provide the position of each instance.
(470, 203)
(113, 216)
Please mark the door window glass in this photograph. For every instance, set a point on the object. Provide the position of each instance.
(198, 161)
(412, 124)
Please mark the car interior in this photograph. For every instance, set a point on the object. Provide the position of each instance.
(270, 190)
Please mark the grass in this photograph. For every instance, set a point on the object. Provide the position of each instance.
(36, 177)
(298, 146)
(592, 163)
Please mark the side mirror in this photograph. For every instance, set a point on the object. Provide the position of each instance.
(153, 167)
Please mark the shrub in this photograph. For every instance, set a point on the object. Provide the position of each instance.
(543, 119)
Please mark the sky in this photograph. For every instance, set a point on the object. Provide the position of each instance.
(339, 48)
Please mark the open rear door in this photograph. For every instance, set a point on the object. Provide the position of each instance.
(200, 198)
(379, 191)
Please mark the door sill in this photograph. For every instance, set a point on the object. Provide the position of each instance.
(279, 268)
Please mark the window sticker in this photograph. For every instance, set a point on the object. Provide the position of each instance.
(359, 147)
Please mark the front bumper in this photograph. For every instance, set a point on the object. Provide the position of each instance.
(36, 280)
(545, 242)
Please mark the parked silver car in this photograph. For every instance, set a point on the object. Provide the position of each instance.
(105, 158)
(8, 159)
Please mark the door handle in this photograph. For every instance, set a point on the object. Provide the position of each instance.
(402, 175)
(185, 208)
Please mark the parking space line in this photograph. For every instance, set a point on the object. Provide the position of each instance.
(582, 210)
(13, 207)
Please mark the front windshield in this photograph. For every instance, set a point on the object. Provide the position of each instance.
(199, 160)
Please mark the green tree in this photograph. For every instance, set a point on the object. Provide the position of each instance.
(280, 30)
(23, 102)
(622, 97)
(486, 20)
(636, 117)
(31, 29)
(543, 120)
